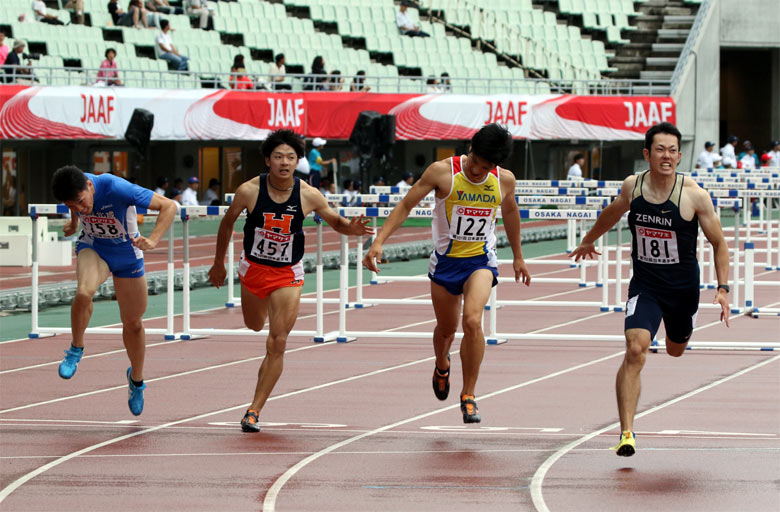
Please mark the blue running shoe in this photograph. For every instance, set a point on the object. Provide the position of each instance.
(70, 362)
(135, 395)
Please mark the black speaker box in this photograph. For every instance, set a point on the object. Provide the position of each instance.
(139, 130)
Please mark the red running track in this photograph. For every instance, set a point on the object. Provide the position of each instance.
(356, 426)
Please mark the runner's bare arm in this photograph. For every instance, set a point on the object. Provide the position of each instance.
(167, 209)
(609, 217)
(241, 200)
(511, 219)
(432, 179)
(710, 226)
(313, 200)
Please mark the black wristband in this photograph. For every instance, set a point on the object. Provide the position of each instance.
(724, 287)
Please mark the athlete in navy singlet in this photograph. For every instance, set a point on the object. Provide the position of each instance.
(270, 266)
(665, 211)
(110, 244)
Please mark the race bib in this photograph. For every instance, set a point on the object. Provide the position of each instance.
(470, 224)
(269, 245)
(95, 226)
(657, 246)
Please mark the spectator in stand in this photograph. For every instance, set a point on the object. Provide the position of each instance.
(316, 162)
(335, 82)
(238, 78)
(189, 197)
(162, 184)
(707, 159)
(746, 146)
(14, 58)
(748, 158)
(728, 154)
(278, 73)
(379, 181)
(39, 11)
(432, 85)
(78, 6)
(774, 154)
(313, 82)
(159, 6)
(118, 14)
(200, 7)
(406, 182)
(166, 50)
(575, 171)
(211, 196)
(108, 73)
(3, 48)
(358, 83)
(405, 24)
(175, 192)
(444, 84)
(325, 187)
(349, 191)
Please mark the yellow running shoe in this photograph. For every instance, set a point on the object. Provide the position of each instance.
(627, 445)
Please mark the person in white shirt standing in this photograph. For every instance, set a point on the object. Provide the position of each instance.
(707, 159)
(406, 182)
(748, 160)
(774, 154)
(728, 154)
(189, 197)
(575, 171)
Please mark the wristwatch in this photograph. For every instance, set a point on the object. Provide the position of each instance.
(724, 287)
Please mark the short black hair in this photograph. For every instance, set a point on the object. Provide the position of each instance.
(68, 182)
(162, 181)
(493, 143)
(163, 24)
(279, 57)
(280, 137)
(578, 156)
(667, 128)
(110, 50)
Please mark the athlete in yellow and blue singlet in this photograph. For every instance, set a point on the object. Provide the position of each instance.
(469, 190)
(464, 229)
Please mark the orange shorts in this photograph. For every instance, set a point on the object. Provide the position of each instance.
(261, 280)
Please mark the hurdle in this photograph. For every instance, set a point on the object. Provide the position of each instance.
(38, 331)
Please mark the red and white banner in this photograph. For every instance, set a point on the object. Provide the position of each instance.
(31, 112)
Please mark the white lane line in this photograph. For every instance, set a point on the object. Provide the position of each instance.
(269, 503)
(32, 474)
(538, 478)
(380, 452)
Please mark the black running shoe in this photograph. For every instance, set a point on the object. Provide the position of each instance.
(441, 382)
(249, 422)
(469, 408)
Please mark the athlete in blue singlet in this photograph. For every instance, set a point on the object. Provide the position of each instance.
(665, 210)
(110, 243)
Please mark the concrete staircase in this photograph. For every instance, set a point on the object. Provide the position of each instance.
(662, 29)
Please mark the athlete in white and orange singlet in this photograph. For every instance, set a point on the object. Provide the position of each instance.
(469, 191)
(270, 268)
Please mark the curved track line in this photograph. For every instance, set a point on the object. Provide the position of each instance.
(538, 478)
(269, 504)
(32, 474)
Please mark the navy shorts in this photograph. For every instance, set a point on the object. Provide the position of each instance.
(122, 260)
(452, 273)
(647, 307)
(314, 179)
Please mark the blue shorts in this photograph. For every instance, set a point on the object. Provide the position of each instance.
(121, 259)
(647, 307)
(452, 273)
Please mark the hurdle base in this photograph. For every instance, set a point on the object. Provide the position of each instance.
(654, 343)
(37, 335)
(345, 339)
(171, 337)
(359, 305)
(498, 306)
(326, 338)
(187, 337)
(496, 341)
(230, 304)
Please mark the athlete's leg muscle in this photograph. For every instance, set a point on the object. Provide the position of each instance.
(446, 307)
(254, 309)
(131, 295)
(628, 383)
(476, 293)
(283, 307)
(91, 271)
